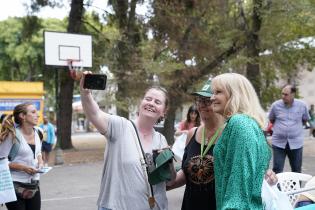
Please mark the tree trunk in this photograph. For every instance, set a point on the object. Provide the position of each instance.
(64, 119)
(121, 99)
(168, 130)
(127, 50)
(253, 48)
(65, 106)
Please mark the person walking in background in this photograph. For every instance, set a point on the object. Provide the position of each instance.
(288, 115)
(311, 112)
(241, 155)
(192, 120)
(124, 183)
(25, 159)
(48, 139)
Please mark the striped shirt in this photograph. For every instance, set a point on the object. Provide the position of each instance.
(288, 123)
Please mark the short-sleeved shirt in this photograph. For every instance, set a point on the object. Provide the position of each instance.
(288, 123)
(48, 133)
(124, 185)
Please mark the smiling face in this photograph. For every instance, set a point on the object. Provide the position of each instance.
(220, 99)
(153, 104)
(204, 106)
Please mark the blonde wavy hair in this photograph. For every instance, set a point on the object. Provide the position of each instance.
(242, 97)
(7, 128)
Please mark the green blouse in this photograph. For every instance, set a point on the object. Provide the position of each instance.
(241, 158)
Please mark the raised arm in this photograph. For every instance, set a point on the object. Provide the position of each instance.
(92, 110)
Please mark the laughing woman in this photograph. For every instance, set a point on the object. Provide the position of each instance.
(241, 156)
(124, 184)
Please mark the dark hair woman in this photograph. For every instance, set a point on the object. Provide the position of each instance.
(192, 120)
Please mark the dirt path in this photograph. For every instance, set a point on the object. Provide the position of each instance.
(88, 147)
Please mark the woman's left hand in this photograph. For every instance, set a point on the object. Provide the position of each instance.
(271, 177)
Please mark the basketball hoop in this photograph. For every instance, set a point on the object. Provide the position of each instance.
(75, 71)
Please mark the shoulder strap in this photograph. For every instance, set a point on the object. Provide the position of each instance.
(151, 188)
(16, 146)
(190, 134)
(139, 141)
(40, 133)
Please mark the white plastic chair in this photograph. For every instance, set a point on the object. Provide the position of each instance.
(290, 182)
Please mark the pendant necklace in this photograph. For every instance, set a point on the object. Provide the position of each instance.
(201, 166)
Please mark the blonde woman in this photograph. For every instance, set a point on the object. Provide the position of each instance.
(241, 155)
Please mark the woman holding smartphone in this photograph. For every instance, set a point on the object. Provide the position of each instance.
(124, 182)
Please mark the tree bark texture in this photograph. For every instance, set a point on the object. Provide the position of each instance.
(253, 47)
(126, 63)
(64, 119)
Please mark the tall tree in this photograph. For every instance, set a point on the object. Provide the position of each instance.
(192, 34)
(253, 45)
(126, 55)
(64, 117)
(220, 36)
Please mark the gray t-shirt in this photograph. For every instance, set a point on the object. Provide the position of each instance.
(124, 184)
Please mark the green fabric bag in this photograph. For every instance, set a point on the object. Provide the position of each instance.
(162, 171)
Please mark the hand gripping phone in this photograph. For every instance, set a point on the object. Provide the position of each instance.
(95, 81)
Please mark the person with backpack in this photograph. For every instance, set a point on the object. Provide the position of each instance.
(20, 142)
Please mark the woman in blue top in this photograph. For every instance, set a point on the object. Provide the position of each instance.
(241, 155)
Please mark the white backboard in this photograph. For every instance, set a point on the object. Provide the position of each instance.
(61, 47)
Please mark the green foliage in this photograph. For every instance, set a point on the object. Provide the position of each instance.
(22, 51)
(203, 32)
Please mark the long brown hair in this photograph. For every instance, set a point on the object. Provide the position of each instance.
(192, 109)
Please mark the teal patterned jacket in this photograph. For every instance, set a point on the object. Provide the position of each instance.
(241, 158)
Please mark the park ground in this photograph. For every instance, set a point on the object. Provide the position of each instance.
(75, 183)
